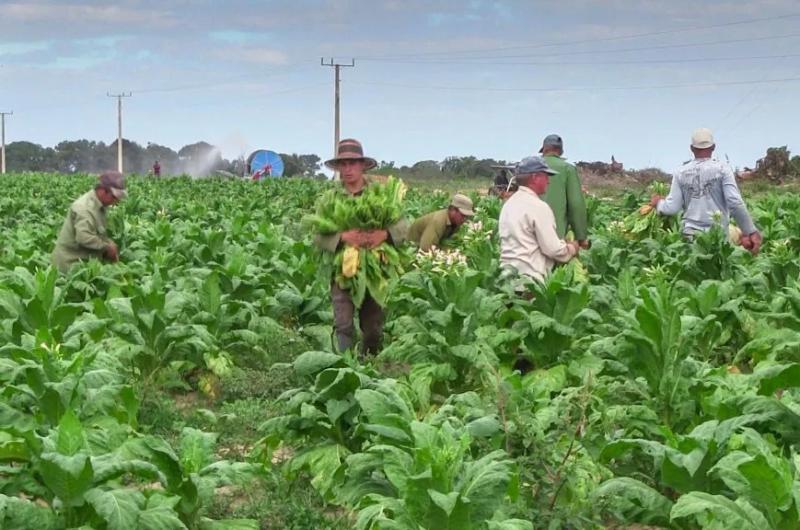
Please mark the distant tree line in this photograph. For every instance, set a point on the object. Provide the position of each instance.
(87, 156)
(203, 159)
(452, 167)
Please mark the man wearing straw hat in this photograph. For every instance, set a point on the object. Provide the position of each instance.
(351, 164)
(429, 230)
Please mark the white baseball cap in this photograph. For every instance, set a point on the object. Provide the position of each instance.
(702, 138)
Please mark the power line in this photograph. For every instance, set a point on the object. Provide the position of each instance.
(581, 89)
(603, 62)
(753, 90)
(92, 101)
(256, 97)
(759, 103)
(618, 50)
(588, 41)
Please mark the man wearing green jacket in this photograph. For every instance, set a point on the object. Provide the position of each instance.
(564, 194)
(83, 234)
(429, 230)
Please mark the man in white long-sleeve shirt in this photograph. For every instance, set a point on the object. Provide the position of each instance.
(529, 243)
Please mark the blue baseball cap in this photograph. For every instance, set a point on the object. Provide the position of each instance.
(533, 164)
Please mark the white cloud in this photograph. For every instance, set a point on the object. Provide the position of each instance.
(253, 55)
(82, 13)
(691, 10)
(22, 48)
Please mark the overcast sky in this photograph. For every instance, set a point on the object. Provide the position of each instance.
(433, 78)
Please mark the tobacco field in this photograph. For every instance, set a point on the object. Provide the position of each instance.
(194, 385)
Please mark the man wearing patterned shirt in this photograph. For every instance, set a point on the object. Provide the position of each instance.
(704, 188)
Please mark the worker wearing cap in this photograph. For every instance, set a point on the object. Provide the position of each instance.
(529, 243)
(83, 234)
(351, 164)
(431, 229)
(564, 193)
(705, 188)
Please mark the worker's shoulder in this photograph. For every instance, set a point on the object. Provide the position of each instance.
(522, 201)
(703, 166)
(83, 202)
(432, 217)
(558, 163)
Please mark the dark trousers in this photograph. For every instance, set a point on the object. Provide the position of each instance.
(370, 320)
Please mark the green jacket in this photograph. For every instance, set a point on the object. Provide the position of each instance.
(83, 234)
(565, 198)
(330, 243)
(429, 230)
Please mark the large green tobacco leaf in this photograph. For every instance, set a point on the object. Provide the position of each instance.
(119, 508)
(779, 376)
(387, 413)
(715, 512)
(69, 477)
(19, 514)
(159, 514)
(71, 437)
(485, 483)
(15, 421)
(757, 473)
(197, 449)
(158, 452)
(112, 465)
(683, 464)
(632, 500)
(324, 463)
(312, 362)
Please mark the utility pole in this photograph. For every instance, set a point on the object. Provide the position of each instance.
(336, 66)
(3, 140)
(119, 125)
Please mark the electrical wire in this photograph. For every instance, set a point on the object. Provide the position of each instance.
(621, 50)
(588, 41)
(580, 89)
(604, 62)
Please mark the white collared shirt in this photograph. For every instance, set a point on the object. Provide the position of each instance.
(528, 239)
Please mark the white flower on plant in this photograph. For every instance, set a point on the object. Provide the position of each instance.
(474, 226)
(616, 226)
(475, 232)
(441, 260)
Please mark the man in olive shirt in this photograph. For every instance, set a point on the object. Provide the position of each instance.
(83, 234)
(351, 164)
(564, 194)
(429, 230)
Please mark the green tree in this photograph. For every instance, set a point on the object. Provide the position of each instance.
(28, 156)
